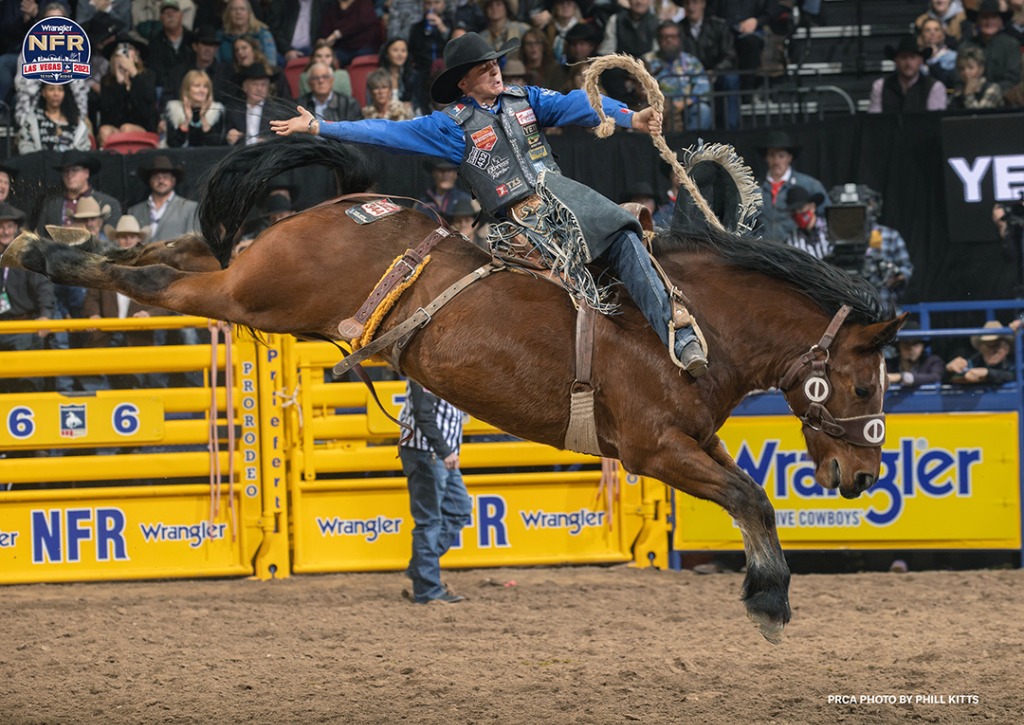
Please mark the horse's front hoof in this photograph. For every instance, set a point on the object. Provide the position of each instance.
(771, 629)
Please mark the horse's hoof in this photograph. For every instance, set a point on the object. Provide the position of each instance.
(771, 629)
(13, 254)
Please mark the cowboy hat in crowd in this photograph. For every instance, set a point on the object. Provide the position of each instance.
(79, 158)
(89, 208)
(161, 163)
(798, 196)
(976, 340)
(127, 224)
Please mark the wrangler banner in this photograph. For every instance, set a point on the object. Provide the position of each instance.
(948, 481)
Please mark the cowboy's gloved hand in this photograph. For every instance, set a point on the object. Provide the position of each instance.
(648, 121)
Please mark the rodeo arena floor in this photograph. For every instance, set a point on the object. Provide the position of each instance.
(537, 645)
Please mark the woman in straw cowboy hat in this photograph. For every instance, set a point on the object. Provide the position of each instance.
(127, 233)
(993, 362)
(90, 215)
(494, 133)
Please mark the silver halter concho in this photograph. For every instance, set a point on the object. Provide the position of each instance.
(862, 430)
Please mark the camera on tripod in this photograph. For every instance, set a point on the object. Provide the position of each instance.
(849, 228)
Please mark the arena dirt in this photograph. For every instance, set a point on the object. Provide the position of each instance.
(568, 645)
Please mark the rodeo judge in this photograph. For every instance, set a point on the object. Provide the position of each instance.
(494, 134)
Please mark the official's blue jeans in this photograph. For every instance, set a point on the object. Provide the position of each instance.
(440, 508)
(629, 260)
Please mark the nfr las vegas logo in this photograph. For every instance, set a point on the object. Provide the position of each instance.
(56, 50)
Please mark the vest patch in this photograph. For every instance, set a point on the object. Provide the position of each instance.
(485, 138)
(506, 189)
(526, 117)
(498, 167)
(538, 153)
(478, 158)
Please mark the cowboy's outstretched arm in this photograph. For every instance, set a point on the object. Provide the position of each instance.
(295, 124)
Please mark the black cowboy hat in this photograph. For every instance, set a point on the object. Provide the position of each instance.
(11, 171)
(989, 7)
(9, 212)
(79, 158)
(912, 326)
(584, 31)
(460, 55)
(277, 203)
(779, 140)
(641, 188)
(463, 207)
(161, 163)
(131, 38)
(205, 35)
(255, 71)
(797, 196)
(907, 44)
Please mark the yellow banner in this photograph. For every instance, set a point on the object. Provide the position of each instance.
(141, 533)
(948, 481)
(56, 421)
(362, 525)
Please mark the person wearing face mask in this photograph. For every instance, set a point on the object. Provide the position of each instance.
(811, 232)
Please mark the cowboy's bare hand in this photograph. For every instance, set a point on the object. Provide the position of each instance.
(295, 124)
(648, 121)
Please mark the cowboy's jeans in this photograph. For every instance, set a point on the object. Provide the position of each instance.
(440, 508)
(629, 260)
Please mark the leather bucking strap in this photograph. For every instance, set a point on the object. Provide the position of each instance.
(352, 327)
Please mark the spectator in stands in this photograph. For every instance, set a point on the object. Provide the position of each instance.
(323, 102)
(1015, 26)
(514, 73)
(54, 125)
(907, 89)
(779, 151)
(166, 214)
(581, 42)
(444, 194)
(438, 500)
(323, 54)
(16, 18)
(406, 83)
(564, 15)
(170, 47)
(992, 364)
(632, 30)
(204, 47)
(501, 23)
(949, 13)
(92, 217)
(120, 11)
(401, 14)
(468, 16)
(427, 39)
(747, 19)
(463, 215)
(1002, 52)
(810, 232)
(709, 39)
(381, 97)
(127, 102)
(76, 171)
(247, 52)
(278, 207)
(146, 15)
(541, 68)
(974, 91)
(196, 119)
(913, 367)
(27, 90)
(239, 20)
(642, 193)
(251, 121)
(295, 25)
(682, 80)
(24, 295)
(942, 59)
(7, 174)
(352, 28)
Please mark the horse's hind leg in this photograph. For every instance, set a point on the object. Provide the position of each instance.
(157, 285)
(712, 475)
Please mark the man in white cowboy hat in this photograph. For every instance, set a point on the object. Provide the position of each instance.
(128, 233)
(90, 215)
(992, 364)
(167, 214)
(494, 133)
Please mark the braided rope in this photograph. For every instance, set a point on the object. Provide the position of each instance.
(657, 101)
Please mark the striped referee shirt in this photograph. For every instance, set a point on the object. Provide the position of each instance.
(436, 424)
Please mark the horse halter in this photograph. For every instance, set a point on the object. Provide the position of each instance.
(861, 430)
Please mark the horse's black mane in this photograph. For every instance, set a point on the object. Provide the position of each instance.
(829, 286)
(238, 182)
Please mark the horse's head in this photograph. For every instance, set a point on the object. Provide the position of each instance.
(836, 388)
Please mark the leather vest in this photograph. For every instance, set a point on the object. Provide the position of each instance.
(505, 151)
(916, 99)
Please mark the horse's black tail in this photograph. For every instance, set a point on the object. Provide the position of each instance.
(236, 184)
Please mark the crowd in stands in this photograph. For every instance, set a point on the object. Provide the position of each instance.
(197, 74)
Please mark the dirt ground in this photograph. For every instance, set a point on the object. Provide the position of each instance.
(563, 645)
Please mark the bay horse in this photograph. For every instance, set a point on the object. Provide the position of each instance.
(503, 349)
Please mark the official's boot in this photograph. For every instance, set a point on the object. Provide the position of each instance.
(693, 359)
